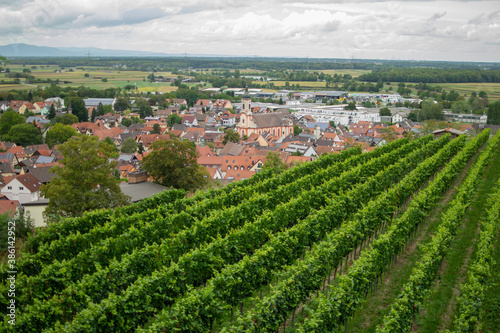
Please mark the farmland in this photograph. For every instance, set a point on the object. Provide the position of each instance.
(115, 78)
(295, 251)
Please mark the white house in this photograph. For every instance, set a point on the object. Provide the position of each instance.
(24, 188)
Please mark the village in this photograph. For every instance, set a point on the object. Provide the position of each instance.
(297, 130)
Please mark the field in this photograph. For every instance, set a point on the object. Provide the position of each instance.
(352, 72)
(287, 252)
(115, 78)
(492, 89)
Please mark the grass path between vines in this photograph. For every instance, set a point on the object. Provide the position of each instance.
(370, 315)
(438, 311)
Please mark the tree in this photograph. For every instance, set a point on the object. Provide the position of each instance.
(66, 119)
(412, 116)
(84, 179)
(332, 123)
(388, 134)
(461, 107)
(144, 107)
(129, 146)
(296, 130)
(230, 136)
(58, 134)
(9, 119)
(126, 122)
(121, 104)
(494, 113)
(24, 135)
(173, 163)
(275, 163)
(52, 112)
(156, 129)
(350, 106)
(78, 108)
(385, 112)
(24, 227)
(173, 119)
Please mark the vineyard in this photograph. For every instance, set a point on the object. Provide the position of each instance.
(307, 250)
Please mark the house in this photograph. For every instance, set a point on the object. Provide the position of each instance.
(292, 160)
(149, 139)
(204, 103)
(18, 152)
(228, 119)
(242, 163)
(26, 107)
(24, 188)
(15, 104)
(221, 105)
(189, 120)
(232, 149)
(10, 207)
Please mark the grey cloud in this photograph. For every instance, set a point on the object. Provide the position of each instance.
(437, 16)
(331, 26)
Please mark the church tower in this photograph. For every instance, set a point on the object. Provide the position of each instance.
(247, 103)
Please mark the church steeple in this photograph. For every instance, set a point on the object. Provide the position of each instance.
(247, 102)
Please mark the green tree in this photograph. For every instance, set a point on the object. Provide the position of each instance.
(24, 135)
(230, 136)
(144, 107)
(494, 113)
(156, 129)
(66, 119)
(9, 119)
(332, 123)
(121, 104)
(78, 108)
(173, 119)
(461, 107)
(84, 179)
(126, 122)
(58, 134)
(173, 163)
(274, 162)
(385, 112)
(52, 112)
(413, 116)
(350, 106)
(296, 130)
(129, 146)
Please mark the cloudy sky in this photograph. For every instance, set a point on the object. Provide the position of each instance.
(410, 30)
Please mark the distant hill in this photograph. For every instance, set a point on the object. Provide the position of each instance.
(26, 50)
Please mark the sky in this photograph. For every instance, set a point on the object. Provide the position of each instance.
(406, 30)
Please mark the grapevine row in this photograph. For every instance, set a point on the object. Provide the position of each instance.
(414, 291)
(59, 274)
(472, 293)
(308, 275)
(351, 289)
(297, 208)
(240, 280)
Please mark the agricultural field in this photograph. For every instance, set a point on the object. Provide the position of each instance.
(492, 89)
(317, 85)
(307, 250)
(115, 78)
(352, 72)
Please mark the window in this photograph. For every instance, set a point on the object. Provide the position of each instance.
(21, 188)
(229, 167)
(9, 187)
(242, 168)
(235, 167)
